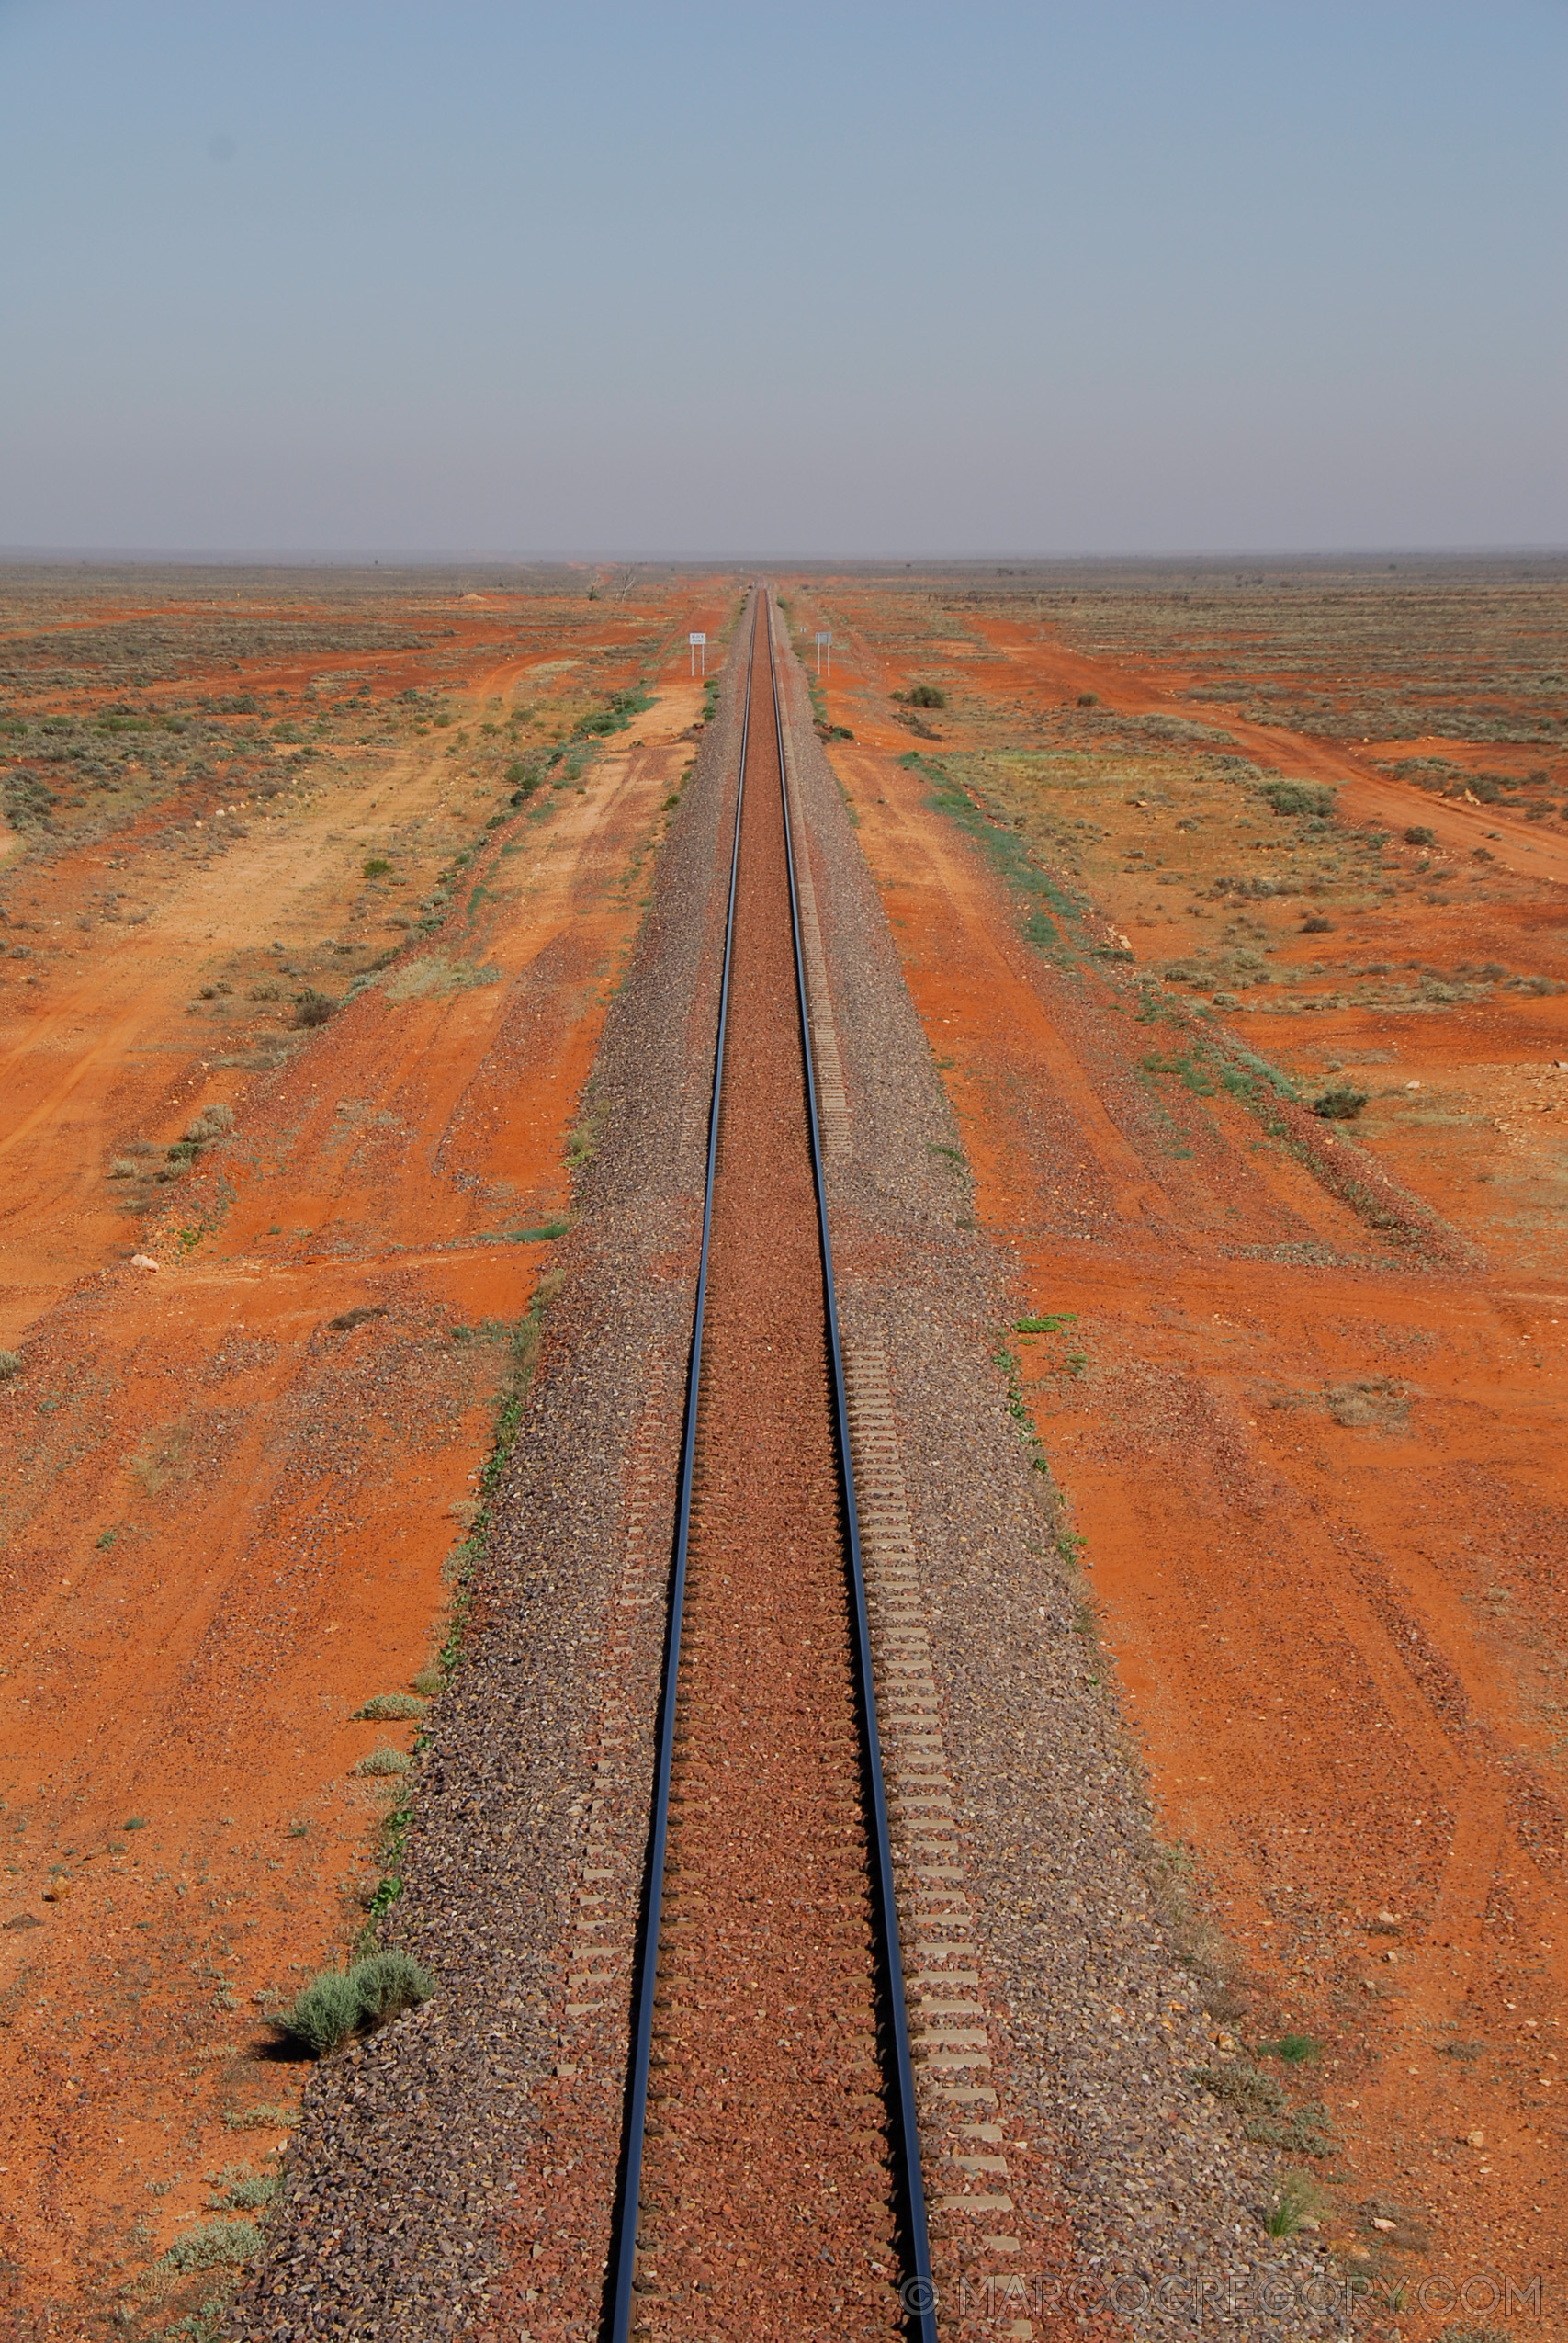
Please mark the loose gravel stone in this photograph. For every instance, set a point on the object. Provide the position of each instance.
(426, 2156)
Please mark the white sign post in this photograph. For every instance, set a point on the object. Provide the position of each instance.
(699, 653)
(824, 643)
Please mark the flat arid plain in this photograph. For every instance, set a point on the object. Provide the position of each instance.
(1232, 906)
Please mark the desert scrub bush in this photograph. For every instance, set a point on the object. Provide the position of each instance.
(238, 2189)
(1341, 1106)
(1300, 797)
(10, 1364)
(384, 1761)
(1088, 699)
(1267, 2115)
(927, 696)
(211, 2245)
(378, 866)
(1419, 835)
(314, 1008)
(388, 1705)
(340, 2002)
(264, 2116)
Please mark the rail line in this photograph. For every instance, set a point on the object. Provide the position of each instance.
(770, 2167)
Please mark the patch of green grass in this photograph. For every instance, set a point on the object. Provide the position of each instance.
(264, 2116)
(1003, 847)
(547, 1233)
(1296, 2050)
(377, 867)
(1194, 1077)
(1046, 1325)
(1298, 2201)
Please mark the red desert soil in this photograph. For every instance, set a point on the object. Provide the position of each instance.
(236, 1482)
(1310, 1436)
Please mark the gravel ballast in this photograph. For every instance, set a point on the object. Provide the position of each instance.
(1100, 2022)
(401, 2173)
(423, 2153)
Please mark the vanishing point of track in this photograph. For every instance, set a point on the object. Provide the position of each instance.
(770, 2178)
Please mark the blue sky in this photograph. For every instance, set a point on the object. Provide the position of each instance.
(691, 279)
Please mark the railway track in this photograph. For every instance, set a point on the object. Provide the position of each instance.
(771, 2175)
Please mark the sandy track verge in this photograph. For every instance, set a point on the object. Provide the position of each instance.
(228, 1520)
(458, 2171)
(1321, 1492)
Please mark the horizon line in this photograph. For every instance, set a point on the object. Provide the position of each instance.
(35, 556)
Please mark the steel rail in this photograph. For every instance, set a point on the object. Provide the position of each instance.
(622, 2304)
(918, 2292)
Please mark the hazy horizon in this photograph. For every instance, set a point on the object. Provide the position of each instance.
(1244, 280)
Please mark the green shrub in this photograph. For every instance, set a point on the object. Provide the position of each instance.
(1088, 699)
(378, 867)
(314, 1008)
(1419, 835)
(390, 1983)
(322, 2015)
(386, 1759)
(927, 696)
(213, 2245)
(388, 1705)
(1300, 797)
(344, 2002)
(10, 1363)
(239, 2190)
(1341, 1106)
